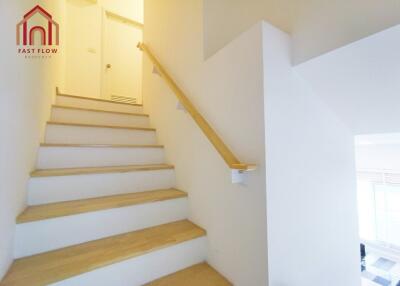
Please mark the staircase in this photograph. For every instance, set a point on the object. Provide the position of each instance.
(103, 209)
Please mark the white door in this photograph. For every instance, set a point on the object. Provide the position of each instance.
(121, 59)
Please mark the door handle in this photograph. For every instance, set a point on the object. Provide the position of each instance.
(108, 66)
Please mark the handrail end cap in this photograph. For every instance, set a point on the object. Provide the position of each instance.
(244, 167)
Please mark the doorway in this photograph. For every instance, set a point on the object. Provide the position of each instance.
(101, 57)
(122, 61)
(378, 189)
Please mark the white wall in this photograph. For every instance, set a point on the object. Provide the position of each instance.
(83, 49)
(132, 9)
(27, 89)
(311, 213)
(85, 36)
(227, 89)
(361, 82)
(311, 190)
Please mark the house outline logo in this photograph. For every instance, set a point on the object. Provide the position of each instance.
(29, 34)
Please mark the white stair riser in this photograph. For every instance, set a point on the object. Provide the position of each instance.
(94, 104)
(42, 236)
(100, 118)
(75, 157)
(94, 135)
(146, 268)
(43, 190)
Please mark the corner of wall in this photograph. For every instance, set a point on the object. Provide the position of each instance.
(310, 175)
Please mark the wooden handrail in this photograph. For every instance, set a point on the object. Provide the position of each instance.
(215, 140)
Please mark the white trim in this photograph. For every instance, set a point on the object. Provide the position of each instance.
(123, 19)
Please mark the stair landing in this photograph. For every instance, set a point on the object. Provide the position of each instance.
(198, 275)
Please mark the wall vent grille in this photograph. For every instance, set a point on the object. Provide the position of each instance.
(123, 99)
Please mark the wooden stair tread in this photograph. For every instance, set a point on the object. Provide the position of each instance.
(197, 275)
(58, 265)
(99, 110)
(96, 99)
(99, 126)
(99, 145)
(42, 212)
(99, 170)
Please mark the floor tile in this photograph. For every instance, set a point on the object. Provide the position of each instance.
(380, 271)
(384, 264)
(382, 281)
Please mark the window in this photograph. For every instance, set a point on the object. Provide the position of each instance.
(379, 208)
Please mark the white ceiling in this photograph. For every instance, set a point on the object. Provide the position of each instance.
(320, 26)
(317, 26)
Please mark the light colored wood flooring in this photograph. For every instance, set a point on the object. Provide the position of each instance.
(96, 99)
(198, 275)
(42, 212)
(99, 110)
(99, 145)
(44, 269)
(100, 126)
(99, 170)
